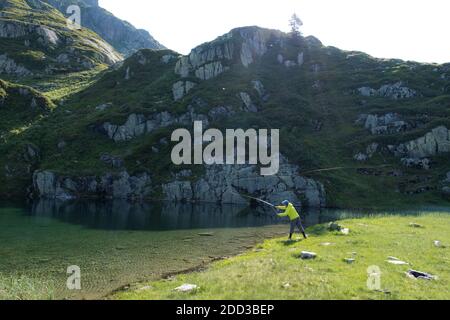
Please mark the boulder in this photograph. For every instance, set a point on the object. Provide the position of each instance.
(333, 226)
(186, 288)
(396, 261)
(350, 260)
(248, 104)
(10, 67)
(47, 36)
(389, 123)
(220, 112)
(361, 157)
(420, 275)
(447, 178)
(433, 143)
(259, 87)
(417, 163)
(416, 225)
(305, 255)
(114, 162)
(394, 91)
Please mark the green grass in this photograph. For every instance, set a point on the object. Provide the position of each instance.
(274, 271)
(18, 287)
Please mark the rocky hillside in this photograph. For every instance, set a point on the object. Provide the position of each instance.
(356, 131)
(124, 37)
(35, 41)
(21, 108)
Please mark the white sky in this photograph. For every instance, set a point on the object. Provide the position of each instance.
(406, 29)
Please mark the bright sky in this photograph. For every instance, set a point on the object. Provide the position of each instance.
(406, 29)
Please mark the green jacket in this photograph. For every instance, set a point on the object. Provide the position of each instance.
(289, 211)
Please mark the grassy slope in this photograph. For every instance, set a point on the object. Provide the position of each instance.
(36, 57)
(264, 272)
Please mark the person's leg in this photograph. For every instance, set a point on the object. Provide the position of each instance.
(300, 228)
(291, 233)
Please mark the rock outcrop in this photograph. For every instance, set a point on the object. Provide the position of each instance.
(368, 154)
(10, 67)
(224, 183)
(138, 124)
(205, 61)
(433, 143)
(394, 91)
(389, 123)
(210, 60)
(248, 105)
(182, 88)
(47, 184)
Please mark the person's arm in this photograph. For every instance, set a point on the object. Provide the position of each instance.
(283, 214)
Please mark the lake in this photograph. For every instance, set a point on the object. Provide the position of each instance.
(116, 243)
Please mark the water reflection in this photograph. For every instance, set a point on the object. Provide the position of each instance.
(124, 215)
(161, 216)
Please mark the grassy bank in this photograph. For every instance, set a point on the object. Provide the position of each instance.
(273, 269)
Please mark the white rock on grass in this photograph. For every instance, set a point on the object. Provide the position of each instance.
(437, 244)
(416, 225)
(186, 288)
(305, 255)
(396, 261)
(345, 231)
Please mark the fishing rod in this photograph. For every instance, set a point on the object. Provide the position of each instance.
(258, 200)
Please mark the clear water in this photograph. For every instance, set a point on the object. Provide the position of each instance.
(116, 243)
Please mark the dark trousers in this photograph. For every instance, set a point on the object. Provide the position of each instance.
(297, 224)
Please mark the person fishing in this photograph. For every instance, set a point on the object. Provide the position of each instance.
(294, 217)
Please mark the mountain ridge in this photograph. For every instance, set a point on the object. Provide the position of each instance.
(35, 40)
(366, 118)
(122, 35)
